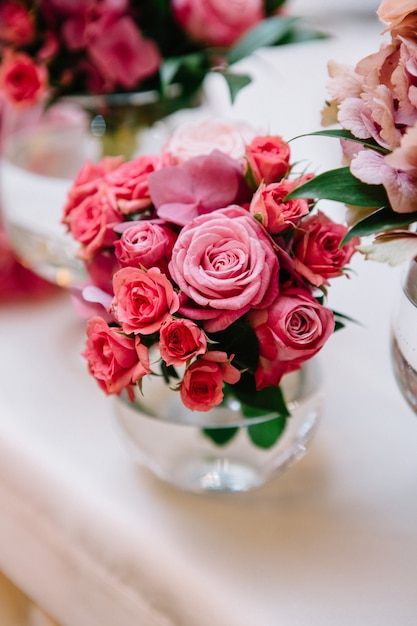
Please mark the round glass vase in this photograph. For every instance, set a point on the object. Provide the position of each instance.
(404, 337)
(194, 451)
(44, 148)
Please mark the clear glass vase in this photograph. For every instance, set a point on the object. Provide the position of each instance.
(177, 445)
(43, 149)
(404, 337)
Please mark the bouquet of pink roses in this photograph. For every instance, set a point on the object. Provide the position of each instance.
(197, 255)
(51, 48)
(375, 103)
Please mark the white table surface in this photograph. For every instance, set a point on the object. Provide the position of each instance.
(96, 541)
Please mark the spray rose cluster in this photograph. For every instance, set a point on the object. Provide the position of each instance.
(375, 103)
(50, 48)
(197, 254)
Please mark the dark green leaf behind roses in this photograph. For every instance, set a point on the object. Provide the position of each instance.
(380, 220)
(342, 186)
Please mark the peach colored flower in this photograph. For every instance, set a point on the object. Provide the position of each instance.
(393, 12)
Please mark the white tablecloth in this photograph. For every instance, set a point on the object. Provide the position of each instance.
(96, 541)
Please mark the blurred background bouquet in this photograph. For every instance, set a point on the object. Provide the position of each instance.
(52, 48)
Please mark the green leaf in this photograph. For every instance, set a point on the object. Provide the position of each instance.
(266, 434)
(235, 83)
(239, 339)
(380, 220)
(345, 134)
(220, 436)
(266, 33)
(266, 400)
(191, 66)
(342, 186)
(272, 6)
(168, 372)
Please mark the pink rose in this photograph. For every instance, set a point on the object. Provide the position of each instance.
(202, 386)
(16, 24)
(226, 264)
(23, 81)
(268, 159)
(92, 222)
(180, 340)
(129, 182)
(117, 362)
(216, 22)
(87, 182)
(120, 52)
(143, 300)
(145, 243)
(293, 329)
(274, 212)
(318, 251)
(198, 137)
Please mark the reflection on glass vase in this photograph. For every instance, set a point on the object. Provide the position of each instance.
(42, 151)
(404, 337)
(219, 450)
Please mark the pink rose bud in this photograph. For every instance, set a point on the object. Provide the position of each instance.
(268, 159)
(181, 340)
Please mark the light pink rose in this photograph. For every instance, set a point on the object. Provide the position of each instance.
(145, 243)
(23, 81)
(91, 222)
(198, 137)
(16, 24)
(117, 362)
(216, 22)
(129, 182)
(274, 212)
(201, 388)
(180, 340)
(268, 158)
(226, 264)
(293, 329)
(143, 300)
(318, 251)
